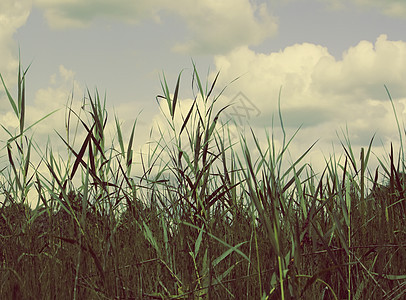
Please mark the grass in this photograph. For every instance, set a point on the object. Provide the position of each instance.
(208, 218)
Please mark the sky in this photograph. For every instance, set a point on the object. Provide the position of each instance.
(329, 59)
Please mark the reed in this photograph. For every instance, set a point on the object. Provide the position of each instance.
(208, 218)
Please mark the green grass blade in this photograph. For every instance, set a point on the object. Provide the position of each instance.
(119, 136)
(10, 98)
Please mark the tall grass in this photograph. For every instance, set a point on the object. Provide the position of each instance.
(206, 219)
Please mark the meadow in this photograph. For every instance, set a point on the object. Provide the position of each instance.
(207, 218)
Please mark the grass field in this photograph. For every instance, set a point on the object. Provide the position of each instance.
(206, 218)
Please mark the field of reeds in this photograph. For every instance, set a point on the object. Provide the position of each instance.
(207, 218)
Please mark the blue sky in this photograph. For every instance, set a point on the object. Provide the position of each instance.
(332, 59)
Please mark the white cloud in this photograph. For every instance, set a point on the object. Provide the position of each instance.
(213, 26)
(13, 14)
(391, 8)
(218, 26)
(46, 100)
(364, 69)
(77, 13)
(394, 8)
(322, 93)
(264, 74)
(55, 97)
(58, 97)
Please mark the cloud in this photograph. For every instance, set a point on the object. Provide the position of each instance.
(54, 98)
(391, 8)
(321, 93)
(13, 14)
(47, 100)
(212, 26)
(63, 91)
(364, 69)
(62, 14)
(219, 26)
